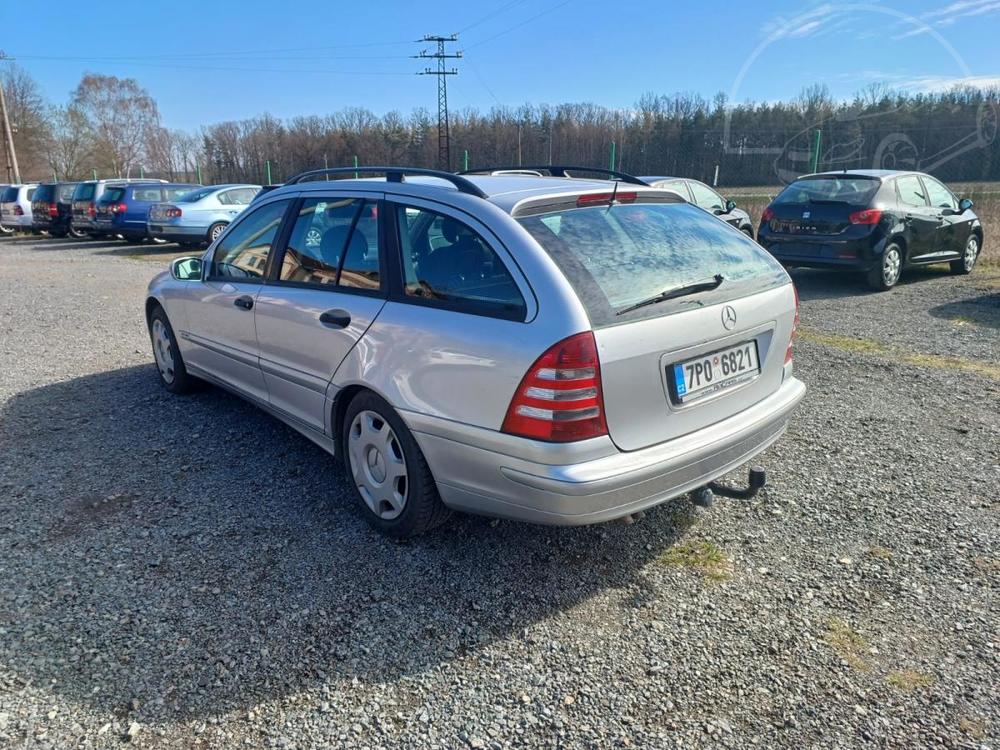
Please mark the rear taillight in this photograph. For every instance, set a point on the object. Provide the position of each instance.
(173, 213)
(868, 216)
(767, 214)
(795, 327)
(598, 199)
(53, 210)
(91, 210)
(560, 399)
(18, 211)
(119, 208)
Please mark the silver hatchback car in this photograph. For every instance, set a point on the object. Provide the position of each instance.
(553, 350)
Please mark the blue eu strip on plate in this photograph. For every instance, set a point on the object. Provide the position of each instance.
(679, 380)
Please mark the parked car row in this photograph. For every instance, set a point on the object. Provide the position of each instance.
(186, 213)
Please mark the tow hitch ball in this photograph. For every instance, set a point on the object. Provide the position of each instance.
(705, 496)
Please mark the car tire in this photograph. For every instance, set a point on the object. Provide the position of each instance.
(969, 257)
(215, 230)
(885, 275)
(76, 234)
(385, 466)
(167, 356)
(749, 233)
(6, 230)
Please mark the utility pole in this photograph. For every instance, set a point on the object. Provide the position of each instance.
(13, 173)
(444, 139)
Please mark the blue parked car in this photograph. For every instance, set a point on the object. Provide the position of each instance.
(124, 209)
(200, 216)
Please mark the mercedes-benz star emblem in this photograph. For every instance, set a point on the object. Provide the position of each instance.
(728, 318)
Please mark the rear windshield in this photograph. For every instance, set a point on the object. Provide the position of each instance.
(195, 195)
(856, 191)
(65, 192)
(9, 195)
(45, 193)
(112, 195)
(84, 191)
(618, 256)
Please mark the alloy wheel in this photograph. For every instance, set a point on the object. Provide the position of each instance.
(216, 231)
(971, 253)
(162, 352)
(377, 465)
(891, 264)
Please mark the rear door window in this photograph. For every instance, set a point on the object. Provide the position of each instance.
(113, 195)
(446, 263)
(623, 254)
(334, 243)
(65, 193)
(29, 194)
(173, 193)
(237, 197)
(242, 254)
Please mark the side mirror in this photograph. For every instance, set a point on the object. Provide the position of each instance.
(964, 205)
(187, 268)
(730, 205)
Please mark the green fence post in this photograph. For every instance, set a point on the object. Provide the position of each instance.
(465, 160)
(267, 169)
(818, 139)
(355, 166)
(95, 174)
(142, 173)
(197, 168)
(612, 160)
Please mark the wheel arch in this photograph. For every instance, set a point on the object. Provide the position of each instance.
(338, 410)
(151, 304)
(900, 240)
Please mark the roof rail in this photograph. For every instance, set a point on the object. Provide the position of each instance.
(556, 171)
(395, 174)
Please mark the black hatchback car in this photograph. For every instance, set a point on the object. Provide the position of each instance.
(52, 208)
(705, 197)
(878, 222)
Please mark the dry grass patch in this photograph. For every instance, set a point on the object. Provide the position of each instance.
(882, 553)
(701, 556)
(975, 728)
(910, 680)
(847, 643)
(916, 359)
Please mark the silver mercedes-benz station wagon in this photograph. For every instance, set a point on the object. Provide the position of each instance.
(549, 349)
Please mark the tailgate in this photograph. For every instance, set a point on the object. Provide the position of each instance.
(643, 401)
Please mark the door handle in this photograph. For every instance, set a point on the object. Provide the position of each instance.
(246, 302)
(336, 318)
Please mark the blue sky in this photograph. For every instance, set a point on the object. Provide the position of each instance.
(215, 60)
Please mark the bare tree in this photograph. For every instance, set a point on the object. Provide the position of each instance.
(70, 145)
(122, 115)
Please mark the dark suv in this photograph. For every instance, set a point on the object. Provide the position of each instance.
(51, 208)
(878, 222)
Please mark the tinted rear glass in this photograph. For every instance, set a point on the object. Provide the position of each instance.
(45, 192)
(617, 256)
(65, 192)
(195, 195)
(84, 191)
(855, 191)
(10, 194)
(112, 195)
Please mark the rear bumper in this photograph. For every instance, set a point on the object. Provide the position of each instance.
(480, 480)
(854, 254)
(17, 222)
(177, 232)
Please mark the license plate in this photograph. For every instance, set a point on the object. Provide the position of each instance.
(710, 373)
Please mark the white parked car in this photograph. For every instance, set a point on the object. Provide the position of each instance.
(15, 206)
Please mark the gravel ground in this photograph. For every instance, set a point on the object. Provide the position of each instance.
(187, 572)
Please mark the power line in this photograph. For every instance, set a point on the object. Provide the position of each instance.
(444, 139)
(489, 15)
(186, 55)
(324, 71)
(519, 25)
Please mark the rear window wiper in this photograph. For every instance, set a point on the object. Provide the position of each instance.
(673, 292)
